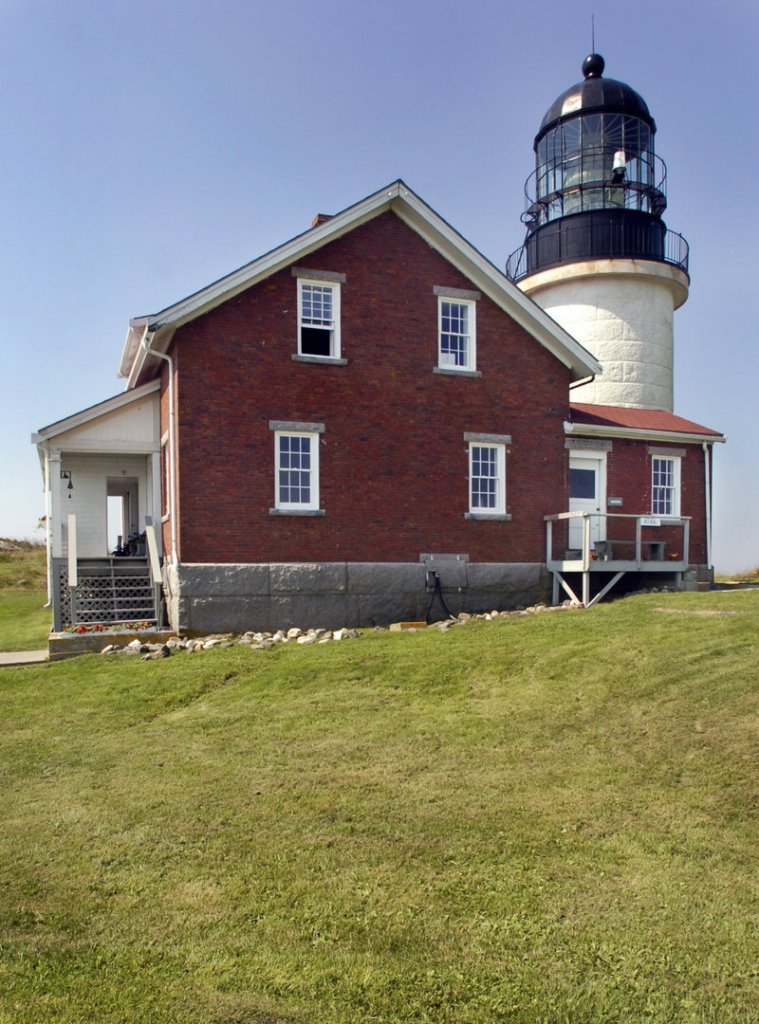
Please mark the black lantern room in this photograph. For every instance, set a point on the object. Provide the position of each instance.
(598, 190)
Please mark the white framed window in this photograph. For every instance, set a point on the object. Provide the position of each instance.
(296, 468)
(319, 318)
(487, 475)
(487, 478)
(457, 334)
(665, 486)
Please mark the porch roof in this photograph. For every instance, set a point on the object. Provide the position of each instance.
(648, 424)
(94, 412)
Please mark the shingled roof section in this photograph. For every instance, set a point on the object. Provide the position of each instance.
(637, 419)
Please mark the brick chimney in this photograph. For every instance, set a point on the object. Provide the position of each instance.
(321, 218)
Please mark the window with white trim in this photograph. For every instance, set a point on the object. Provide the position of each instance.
(487, 478)
(456, 334)
(296, 470)
(319, 318)
(665, 486)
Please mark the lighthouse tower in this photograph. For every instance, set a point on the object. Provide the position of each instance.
(598, 256)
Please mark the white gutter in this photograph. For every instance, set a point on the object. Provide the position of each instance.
(145, 345)
(708, 501)
(640, 433)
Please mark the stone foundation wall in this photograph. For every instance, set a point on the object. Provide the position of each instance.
(329, 595)
(70, 645)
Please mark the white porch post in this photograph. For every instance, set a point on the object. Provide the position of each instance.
(585, 542)
(72, 567)
(154, 478)
(55, 513)
(48, 529)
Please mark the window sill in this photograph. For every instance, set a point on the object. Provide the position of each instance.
(498, 516)
(328, 360)
(297, 512)
(450, 371)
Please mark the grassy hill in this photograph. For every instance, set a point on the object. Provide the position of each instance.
(24, 622)
(547, 820)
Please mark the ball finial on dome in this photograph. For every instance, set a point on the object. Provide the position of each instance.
(593, 66)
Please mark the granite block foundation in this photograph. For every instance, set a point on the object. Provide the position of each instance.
(329, 595)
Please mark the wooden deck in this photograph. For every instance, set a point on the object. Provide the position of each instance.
(652, 553)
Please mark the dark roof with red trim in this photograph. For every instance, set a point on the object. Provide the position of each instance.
(636, 419)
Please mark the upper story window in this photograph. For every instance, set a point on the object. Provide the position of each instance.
(318, 313)
(456, 337)
(665, 486)
(457, 330)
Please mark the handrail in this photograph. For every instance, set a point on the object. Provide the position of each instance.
(665, 520)
(647, 521)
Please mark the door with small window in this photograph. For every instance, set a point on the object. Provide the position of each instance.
(587, 493)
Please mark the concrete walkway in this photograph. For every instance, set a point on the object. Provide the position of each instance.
(22, 657)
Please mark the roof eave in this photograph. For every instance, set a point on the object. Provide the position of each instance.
(135, 333)
(641, 434)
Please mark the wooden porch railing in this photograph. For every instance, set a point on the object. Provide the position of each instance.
(605, 555)
(108, 590)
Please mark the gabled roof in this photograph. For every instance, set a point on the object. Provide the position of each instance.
(648, 424)
(94, 412)
(155, 331)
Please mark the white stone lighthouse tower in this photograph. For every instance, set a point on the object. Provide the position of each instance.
(598, 256)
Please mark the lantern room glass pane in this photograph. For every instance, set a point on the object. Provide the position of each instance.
(597, 161)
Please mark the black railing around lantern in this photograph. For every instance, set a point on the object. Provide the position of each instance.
(598, 234)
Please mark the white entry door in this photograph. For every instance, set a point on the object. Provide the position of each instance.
(587, 493)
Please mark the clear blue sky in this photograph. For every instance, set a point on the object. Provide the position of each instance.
(150, 148)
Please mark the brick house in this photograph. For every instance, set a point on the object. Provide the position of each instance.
(311, 438)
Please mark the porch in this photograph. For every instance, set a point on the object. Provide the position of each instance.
(106, 591)
(603, 547)
(102, 471)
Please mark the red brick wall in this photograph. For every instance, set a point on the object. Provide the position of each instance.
(629, 478)
(394, 469)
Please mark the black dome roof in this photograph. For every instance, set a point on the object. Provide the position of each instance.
(596, 95)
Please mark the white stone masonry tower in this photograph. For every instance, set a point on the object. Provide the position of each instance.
(598, 257)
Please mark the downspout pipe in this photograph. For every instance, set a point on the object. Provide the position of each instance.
(708, 500)
(146, 342)
(582, 381)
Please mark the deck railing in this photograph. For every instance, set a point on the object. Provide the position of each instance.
(642, 542)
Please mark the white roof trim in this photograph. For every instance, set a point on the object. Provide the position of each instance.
(94, 412)
(639, 434)
(159, 327)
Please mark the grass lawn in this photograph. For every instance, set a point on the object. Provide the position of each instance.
(24, 622)
(548, 820)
